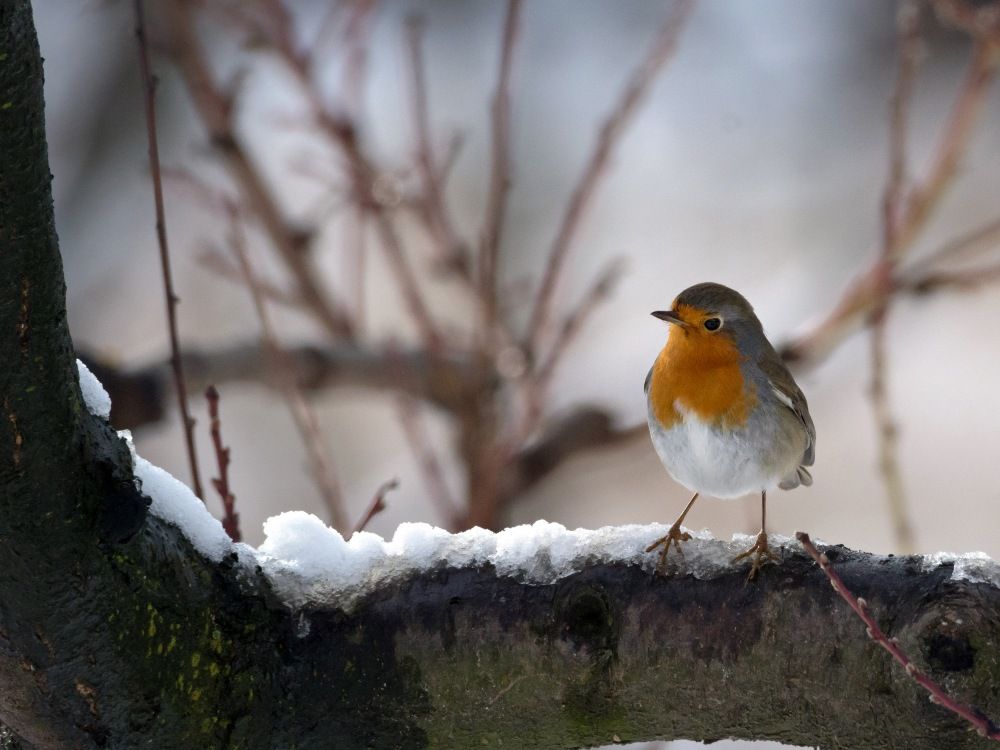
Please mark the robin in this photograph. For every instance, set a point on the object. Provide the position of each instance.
(725, 415)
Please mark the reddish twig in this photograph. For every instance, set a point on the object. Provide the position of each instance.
(230, 518)
(149, 92)
(496, 203)
(983, 725)
(611, 131)
(450, 252)
(377, 504)
(304, 417)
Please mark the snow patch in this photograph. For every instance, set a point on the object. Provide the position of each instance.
(975, 567)
(95, 398)
(307, 561)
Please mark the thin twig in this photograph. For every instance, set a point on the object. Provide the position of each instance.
(954, 141)
(888, 462)
(963, 280)
(983, 239)
(215, 107)
(611, 131)
(434, 212)
(538, 383)
(908, 24)
(230, 518)
(377, 504)
(982, 723)
(305, 418)
(361, 172)
(868, 292)
(496, 203)
(149, 92)
(909, 43)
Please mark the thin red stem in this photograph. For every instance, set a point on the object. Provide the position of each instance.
(149, 92)
(377, 504)
(230, 518)
(976, 718)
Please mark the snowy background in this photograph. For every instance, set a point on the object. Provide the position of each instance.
(758, 162)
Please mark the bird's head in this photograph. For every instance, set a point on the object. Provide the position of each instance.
(713, 315)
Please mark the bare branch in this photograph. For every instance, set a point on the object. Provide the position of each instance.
(496, 203)
(230, 518)
(215, 109)
(576, 433)
(908, 39)
(868, 291)
(663, 48)
(909, 42)
(361, 173)
(982, 723)
(149, 94)
(449, 249)
(377, 504)
(955, 140)
(888, 462)
(538, 382)
(962, 280)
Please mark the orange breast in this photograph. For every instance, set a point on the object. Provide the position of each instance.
(701, 373)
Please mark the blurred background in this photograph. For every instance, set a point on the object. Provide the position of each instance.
(419, 328)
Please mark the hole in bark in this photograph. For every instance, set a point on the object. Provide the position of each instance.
(588, 619)
(951, 654)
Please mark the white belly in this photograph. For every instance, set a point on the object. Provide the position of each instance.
(701, 458)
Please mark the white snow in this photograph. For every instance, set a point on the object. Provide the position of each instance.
(976, 567)
(175, 503)
(307, 561)
(96, 399)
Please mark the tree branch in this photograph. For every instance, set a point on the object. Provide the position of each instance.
(139, 396)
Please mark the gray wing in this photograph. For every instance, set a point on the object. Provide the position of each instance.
(645, 385)
(786, 391)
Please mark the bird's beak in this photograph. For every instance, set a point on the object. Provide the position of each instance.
(670, 316)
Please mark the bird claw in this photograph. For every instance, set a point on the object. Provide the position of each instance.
(674, 536)
(762, 554)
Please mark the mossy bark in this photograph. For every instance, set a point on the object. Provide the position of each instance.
(116, 633)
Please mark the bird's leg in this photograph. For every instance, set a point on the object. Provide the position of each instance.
(760, 550)
(674, 535)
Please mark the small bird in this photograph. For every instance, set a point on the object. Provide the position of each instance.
(725, 416)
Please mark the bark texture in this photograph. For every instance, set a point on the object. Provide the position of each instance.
(116, 633)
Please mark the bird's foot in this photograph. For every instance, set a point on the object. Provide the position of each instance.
(761, 552)
(675, 536)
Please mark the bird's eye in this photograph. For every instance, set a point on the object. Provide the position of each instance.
(713, 324)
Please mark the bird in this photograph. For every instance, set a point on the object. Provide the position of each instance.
(725, 415)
